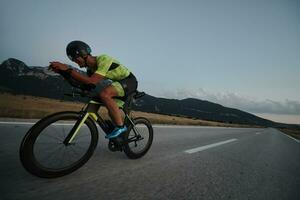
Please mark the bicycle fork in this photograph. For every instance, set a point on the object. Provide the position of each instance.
(70, 137)
(90, 111)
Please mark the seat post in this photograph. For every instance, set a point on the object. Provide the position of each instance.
(128, 104)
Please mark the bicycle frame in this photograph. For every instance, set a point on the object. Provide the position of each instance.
(91, 111)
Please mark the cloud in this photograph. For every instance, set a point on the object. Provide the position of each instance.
(234, 100)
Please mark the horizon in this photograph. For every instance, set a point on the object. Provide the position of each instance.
(240, 54)
(287, 119)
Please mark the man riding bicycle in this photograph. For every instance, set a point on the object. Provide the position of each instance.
(109, 78)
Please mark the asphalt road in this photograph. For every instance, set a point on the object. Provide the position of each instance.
(183, 163)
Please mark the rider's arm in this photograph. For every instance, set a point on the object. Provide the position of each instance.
(94, 79)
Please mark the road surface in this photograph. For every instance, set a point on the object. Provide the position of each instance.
(183, 163)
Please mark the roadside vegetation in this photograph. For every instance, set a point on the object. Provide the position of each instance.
(30, 107)
(291, 132)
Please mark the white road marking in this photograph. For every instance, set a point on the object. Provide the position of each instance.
(185, 126)
(32, 123)
(19, 123)
(291, 137)
(202, 148)
(257, 133)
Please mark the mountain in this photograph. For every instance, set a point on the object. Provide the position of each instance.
(199, 109)
(16, 77)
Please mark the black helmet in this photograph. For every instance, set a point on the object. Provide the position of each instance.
(77, 48)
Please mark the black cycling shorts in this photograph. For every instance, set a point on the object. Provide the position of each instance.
(129, 85)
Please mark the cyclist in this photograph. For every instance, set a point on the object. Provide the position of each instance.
(109, 76)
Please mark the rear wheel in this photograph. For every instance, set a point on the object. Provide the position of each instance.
(138, 138)
(43, 153)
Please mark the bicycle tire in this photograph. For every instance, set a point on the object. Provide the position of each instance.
(26, 152)
(127, 149)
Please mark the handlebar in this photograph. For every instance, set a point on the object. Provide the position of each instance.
(82, 93)
(75, 83)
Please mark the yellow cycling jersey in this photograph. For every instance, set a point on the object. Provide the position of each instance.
(111, 68)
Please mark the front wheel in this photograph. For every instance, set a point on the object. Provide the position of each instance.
(43, 152)
(138, 138)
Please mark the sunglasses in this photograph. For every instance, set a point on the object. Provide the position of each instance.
(73, 58)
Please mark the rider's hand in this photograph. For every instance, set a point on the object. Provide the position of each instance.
(57, 66)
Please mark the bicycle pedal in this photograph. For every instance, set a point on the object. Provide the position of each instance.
(114, 146)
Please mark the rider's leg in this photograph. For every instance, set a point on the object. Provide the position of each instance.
(113, 109)
(106, 96)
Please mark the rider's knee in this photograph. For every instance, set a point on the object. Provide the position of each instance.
(105, 95)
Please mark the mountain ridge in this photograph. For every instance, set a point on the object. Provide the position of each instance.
(16, 77)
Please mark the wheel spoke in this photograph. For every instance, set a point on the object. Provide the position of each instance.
(53, 137)
(80, 137)
(51, 155)
(62, 156)
(73, 150)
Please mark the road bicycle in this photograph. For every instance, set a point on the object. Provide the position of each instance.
(62, 142)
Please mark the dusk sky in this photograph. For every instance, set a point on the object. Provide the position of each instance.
(239, 53)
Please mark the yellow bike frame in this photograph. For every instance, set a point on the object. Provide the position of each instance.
(90, 110)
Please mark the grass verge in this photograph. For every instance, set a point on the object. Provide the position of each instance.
(291, 132)
(29, 107)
